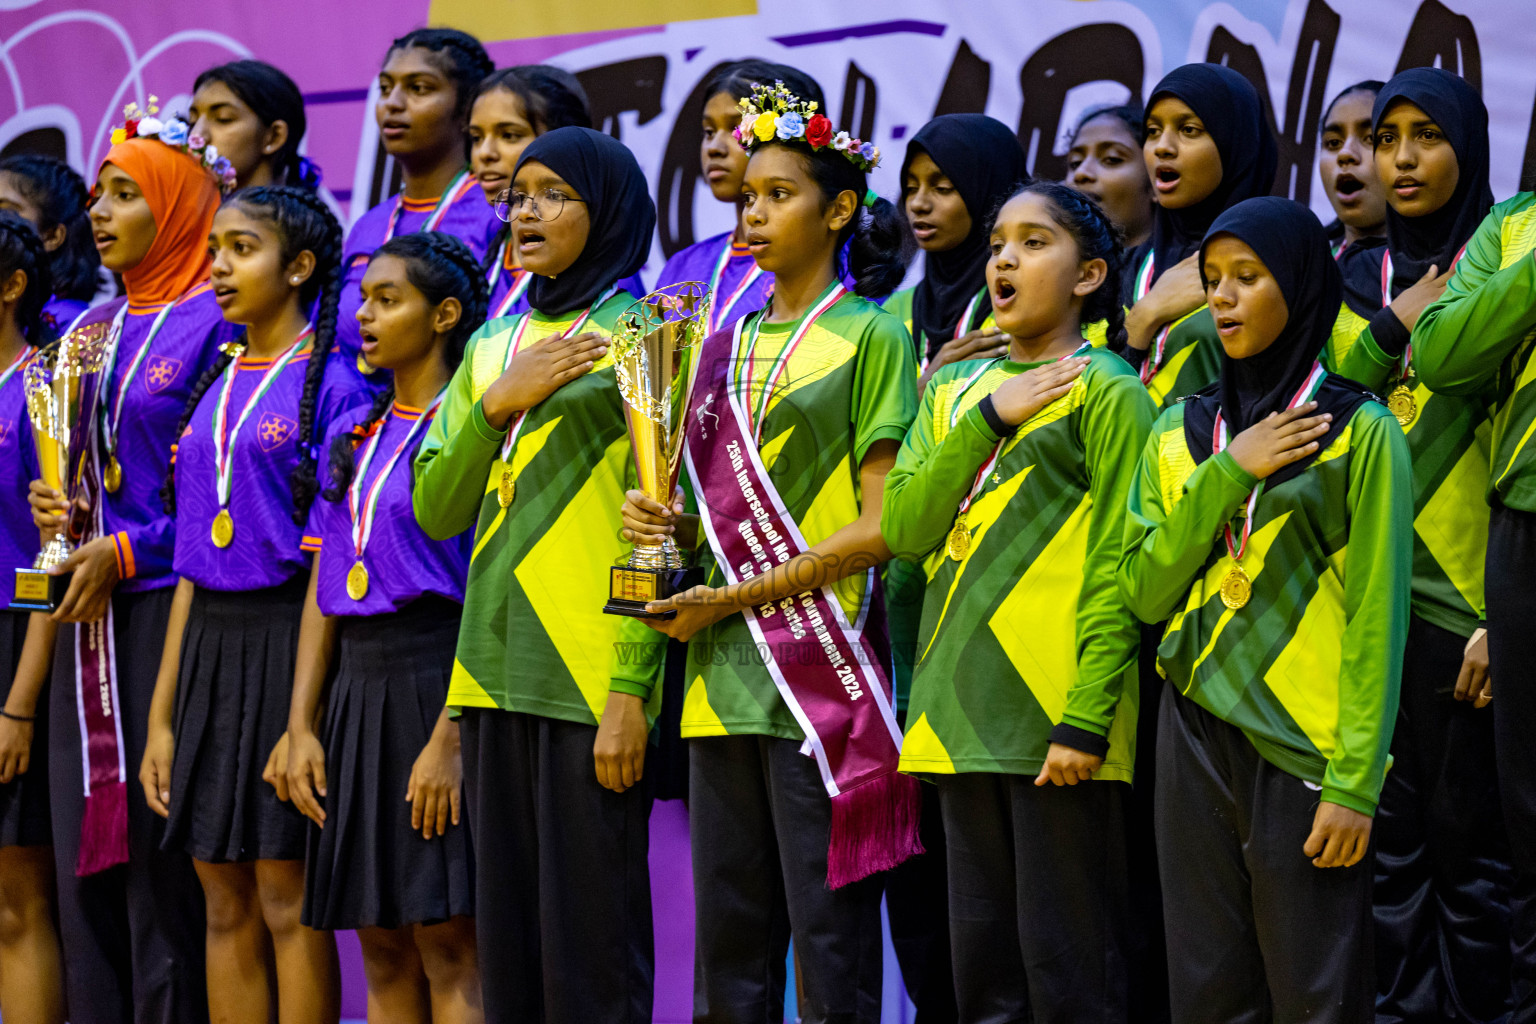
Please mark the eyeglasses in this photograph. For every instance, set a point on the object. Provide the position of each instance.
(547, 203)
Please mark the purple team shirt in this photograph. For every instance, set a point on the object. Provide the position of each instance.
(403, 562)
(153, 400)
(470, 218)
(697, 263)
(267, 547)
(19, 541)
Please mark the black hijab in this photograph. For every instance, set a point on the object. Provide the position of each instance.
(984, 160)
(1294, 247)
(1436, 238)
(603, 172)
(1230, 109)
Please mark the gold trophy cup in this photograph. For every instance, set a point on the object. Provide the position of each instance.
(655, 350)
(62, 385)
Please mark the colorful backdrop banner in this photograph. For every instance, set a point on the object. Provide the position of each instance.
(69, 67)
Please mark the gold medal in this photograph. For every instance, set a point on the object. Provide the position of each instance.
(1236, 588)
(507, 489)
(1403, 405)
(357, 581)
(223, 529)
(112, 479)
(959, 543)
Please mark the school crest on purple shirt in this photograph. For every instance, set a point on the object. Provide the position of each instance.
(273, 430)
(160, 373)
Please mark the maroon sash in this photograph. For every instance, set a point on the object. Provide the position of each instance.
(104, 825)
(832, 674)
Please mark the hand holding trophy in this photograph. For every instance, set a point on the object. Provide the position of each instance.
(62, 385)
(655, 349)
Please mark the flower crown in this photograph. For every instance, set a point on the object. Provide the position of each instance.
(176, 133)
(776, 112)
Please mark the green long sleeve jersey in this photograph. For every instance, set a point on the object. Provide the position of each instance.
(1449, 444)
(847, 385)
(1309, 669)
(1478, 338)
(534, 636)
(1028, 632)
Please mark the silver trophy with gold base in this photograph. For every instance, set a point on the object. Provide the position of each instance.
(62, 385)
(655, 350)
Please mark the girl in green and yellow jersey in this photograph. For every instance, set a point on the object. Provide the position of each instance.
(1271, 526)
(1207, 147)
(1010, 490)
(531, 449)
(1442, 855)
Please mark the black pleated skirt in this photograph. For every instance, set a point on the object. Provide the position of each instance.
(368, 868)
(24, 818)
(236, 678)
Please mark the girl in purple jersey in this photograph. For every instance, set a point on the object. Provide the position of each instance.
(241, 490)
(425, 89)
(31, 972)
(49, 195)
(375, 762)
(254, 114)
(512, 107)
(737, 285)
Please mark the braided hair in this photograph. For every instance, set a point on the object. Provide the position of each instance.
(440, 266)
(1097, 238)
(22, 249)
(272, 97)
(552, 98)
(304, 223)
(458, 55)
(61, 198)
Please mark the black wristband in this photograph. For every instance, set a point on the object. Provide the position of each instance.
(994, 421)
(1090, 743)
(16, 718)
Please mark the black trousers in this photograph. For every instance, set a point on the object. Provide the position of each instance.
(1510, 587)
(917, 906)
(758, 820)
(133, 935)
(562, 883)
(1442, 856)
(1256, 934)
(1037, 899)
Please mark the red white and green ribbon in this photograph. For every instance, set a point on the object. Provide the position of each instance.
(451, 195)
(747, 360)
(1154, 360)
(112, 415)
(1219, 441)
(363, 509)
(519, 284)
(517, 343)
(224, 435)
(719, 311)
(26, 353)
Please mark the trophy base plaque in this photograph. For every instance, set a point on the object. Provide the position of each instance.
(630, 588)
(36, 591)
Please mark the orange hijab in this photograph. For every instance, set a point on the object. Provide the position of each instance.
(183, 199)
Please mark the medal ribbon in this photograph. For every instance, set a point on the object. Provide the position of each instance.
(111, 417)
(960, 326)
(517, 343)
(454, 192)
(518, 290)
(717, 314)
(747, 360)
(997, 449)
(224, 442)
(1154, 358)
(362, 510)
(1219, 443)
(27, 352)
(1386, 299)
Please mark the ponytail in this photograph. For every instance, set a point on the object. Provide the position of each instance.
(440, 266)
(227, 354)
